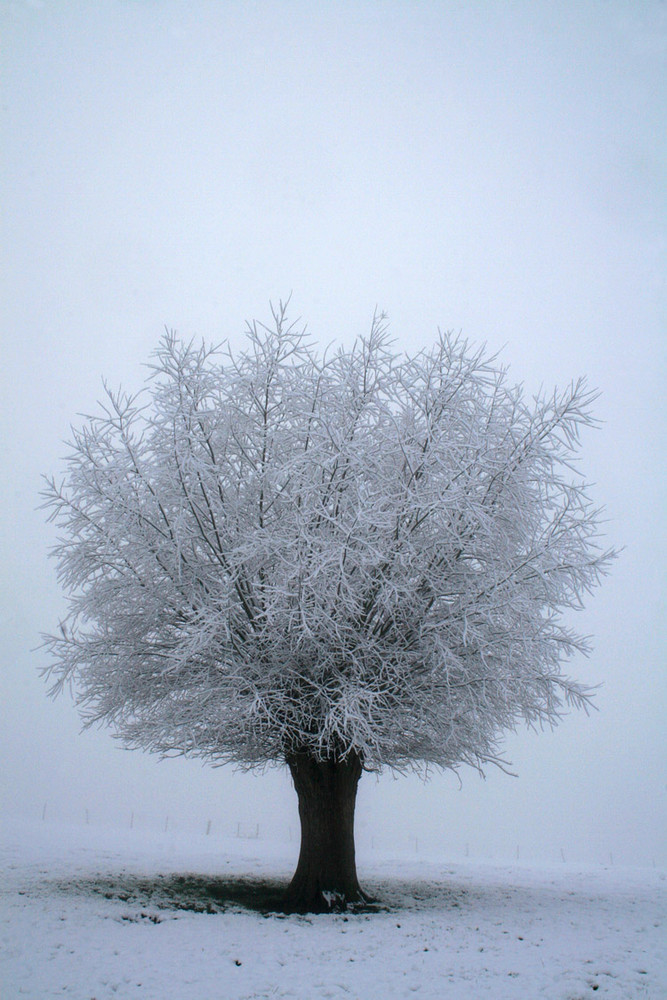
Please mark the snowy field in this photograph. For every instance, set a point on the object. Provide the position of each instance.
(90, 913)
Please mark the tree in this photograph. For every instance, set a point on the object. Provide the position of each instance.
(341, 563)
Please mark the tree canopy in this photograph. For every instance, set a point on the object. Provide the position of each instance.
(358, 553)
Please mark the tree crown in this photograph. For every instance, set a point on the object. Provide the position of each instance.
(274, 552)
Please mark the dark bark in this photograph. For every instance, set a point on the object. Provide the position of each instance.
(326, 874)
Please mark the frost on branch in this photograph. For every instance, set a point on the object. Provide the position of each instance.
(360, 554)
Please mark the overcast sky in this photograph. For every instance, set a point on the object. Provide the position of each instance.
(491, 167)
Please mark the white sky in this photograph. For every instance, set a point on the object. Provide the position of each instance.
(496, 167)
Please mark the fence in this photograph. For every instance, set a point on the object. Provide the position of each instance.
(370, 843)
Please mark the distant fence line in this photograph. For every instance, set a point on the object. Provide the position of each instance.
(413, 844)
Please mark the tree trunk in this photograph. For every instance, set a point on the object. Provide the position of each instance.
(326, 875)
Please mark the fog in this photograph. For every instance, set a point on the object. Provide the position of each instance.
(486, 167)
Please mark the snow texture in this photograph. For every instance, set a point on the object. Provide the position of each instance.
(94, 914)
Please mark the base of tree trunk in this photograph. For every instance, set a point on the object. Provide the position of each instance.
(325, 880)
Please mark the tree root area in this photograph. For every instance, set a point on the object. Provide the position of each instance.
(201, 894)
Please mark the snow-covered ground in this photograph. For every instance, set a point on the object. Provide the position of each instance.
(90, 913)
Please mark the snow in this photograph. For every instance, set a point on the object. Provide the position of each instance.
(90, 913)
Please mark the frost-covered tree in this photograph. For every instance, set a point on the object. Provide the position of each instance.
(341, 563)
